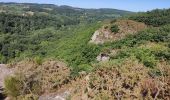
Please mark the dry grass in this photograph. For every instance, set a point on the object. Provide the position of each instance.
(44, 78)
(131, 81)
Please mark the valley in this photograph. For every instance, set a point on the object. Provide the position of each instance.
(50, 52)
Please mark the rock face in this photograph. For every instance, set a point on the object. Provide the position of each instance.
(100, 36)
(103, 57)
(95, 38)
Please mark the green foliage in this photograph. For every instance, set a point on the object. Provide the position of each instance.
(156, 17)
(155, 72)
(163, 55)
(13, 86)
(70, 44)
(38, 60)
(152, 34)
(142, 54)
(2, 59)
(84, 67)
(90, 52)
(76, 50)
(114, 28)
(80, 68)
(146, 57)
(161, 51)
(64, 34)
(26, 35)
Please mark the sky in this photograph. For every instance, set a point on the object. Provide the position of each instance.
(130, 5)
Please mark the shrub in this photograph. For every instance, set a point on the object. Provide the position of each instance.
(142, 54)
(38, 60)
(2, 58)
(85, 67)
(106, 27)
(13, 86)
(113, 21)
(80, 68)
(145, 56)
(89, 53)
(155, 18)
(114, 28)
(148, 61)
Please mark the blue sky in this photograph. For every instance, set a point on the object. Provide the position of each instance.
(131, 5)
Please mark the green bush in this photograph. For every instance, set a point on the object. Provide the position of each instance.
(146, 57)
(13, 86)
(114, 28)
(2, 58)
(156, 17)
(83, 67)
(106, 27)
(38, 60)
(90, 52)
(142, 54)
(152, 35)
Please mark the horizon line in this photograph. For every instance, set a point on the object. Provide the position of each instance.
(76, 7)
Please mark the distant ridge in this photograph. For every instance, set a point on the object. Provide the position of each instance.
(65, 6)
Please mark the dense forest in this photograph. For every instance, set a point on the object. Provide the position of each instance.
(138, 65)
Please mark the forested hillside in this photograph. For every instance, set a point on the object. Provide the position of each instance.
(31, 27)
(155, 18)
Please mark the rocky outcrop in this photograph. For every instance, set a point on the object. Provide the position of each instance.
(126, 27)
(100, 36)
(95, 38)
(103, 57)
